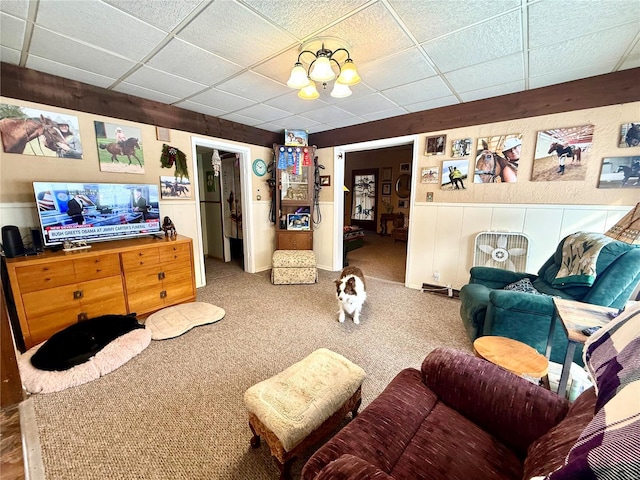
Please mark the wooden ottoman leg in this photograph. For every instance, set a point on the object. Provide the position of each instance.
(255, 440)
(354, 412)
(285, 468)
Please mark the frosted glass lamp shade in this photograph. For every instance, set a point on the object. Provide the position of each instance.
(298, 78)
(340, 90)
(309, 92)
(321, 70)
(349, 74)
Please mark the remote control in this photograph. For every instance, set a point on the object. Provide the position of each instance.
(590, 330)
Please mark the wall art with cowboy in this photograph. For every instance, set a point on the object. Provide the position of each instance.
(31, 131)
(119, 148)
(497, 159)
(562, 154)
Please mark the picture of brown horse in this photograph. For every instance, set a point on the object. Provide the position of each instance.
(128, 149)
(18, 132)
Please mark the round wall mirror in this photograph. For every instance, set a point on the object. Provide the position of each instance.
(403, 186)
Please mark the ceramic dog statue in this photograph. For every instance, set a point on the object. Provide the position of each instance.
(168, 228)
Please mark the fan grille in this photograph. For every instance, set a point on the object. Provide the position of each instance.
(505, 250)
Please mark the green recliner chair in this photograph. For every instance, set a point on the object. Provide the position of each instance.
(488, 309)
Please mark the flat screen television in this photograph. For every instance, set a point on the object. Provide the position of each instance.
(92, 212)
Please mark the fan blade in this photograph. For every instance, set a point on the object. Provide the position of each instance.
(516, 252)
(486, 248)
(502, 241)
(511, 266)
(489, 263)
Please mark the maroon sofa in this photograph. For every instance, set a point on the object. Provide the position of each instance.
(460, 417)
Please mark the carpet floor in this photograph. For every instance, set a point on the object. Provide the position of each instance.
(176, 410)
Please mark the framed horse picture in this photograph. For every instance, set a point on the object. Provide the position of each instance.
(562, 154)
(41, 133)
(620, 172)
(497, 159)
(119, 148)
(629, 135)
(174, 188)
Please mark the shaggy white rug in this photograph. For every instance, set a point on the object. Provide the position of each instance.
(114, 355)
(173, 321)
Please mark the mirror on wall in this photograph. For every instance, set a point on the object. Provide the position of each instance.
(403, 186)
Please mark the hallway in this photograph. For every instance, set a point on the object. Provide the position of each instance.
(380, 257)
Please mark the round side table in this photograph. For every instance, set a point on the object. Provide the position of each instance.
(512, 355)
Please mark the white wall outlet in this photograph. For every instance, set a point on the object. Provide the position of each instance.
(436, 276)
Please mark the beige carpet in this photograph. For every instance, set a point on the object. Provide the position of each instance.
(176, 412)
(380, 257)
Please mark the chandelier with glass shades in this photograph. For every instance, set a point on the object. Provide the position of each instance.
(331, 56)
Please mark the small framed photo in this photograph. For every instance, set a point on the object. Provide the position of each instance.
(461, 147)
(403, 203)
(386, 188)
(298, 221)
(386, 174)
(163, 134)
(325, 180)
(629, 135)
(386, 199)
(436, 145)
(430, 175)
(405, 167)
(175, 188)
(296, 138)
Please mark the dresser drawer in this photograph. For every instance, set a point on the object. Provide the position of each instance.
(136, 259)
(180, 252)
(54, 299)
(97, 267)
(32, 278)
(143, 280)
(43, 326)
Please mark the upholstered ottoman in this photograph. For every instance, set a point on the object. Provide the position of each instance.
(291, 267)
(302, 404)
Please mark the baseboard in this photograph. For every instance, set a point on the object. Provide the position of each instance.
(441, 290)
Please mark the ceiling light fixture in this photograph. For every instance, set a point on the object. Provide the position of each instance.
(329, 53)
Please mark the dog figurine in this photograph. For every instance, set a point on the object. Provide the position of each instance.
(168, 228)
(351, 293)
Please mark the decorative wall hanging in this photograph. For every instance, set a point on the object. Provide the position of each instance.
(216, 161)
(497, 159)
(629, 135)
(617, 172)
(436, 145)
(430, 175)
(454, 174)
(562, 154)
(173, 188)
(172, 156)
(37, 132)
(119, 148)
(461, 147)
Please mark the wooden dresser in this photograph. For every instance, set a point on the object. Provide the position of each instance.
(141, 275)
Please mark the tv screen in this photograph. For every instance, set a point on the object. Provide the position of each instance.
(96, 211)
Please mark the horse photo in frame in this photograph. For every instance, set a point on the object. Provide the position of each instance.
(620, 172)
(629, 135)
(175, 188)
(41, 133)
(497, 159)
(562, 154)
(119, 148)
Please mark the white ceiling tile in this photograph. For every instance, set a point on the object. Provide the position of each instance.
(252, 85)
(312, 15)
(551, 21)
(234, 117)
(395, 70)
(391, 112)
(9, 55)
(11, 31)
(357, 91)
(85, 21)
(56, 48)
(271, 127)
(369, 104)
(347, 122)
(435, 103)
(279, 67)
(262, 112)
(291, 103)
(148, 77)
(197, 107)
(321, 127)
(163, 14)
(65, 71)
(564, 75)
(222, 100)
(328, 114)
(179, 58)
(372, 33)
(419, 91)
(594, 48)
(428, 20)
(233, 32)
(493, 91)
(297, 122)
(495, 38)
(511, 69)
(633, 59)
(142, 92)
(17, 8)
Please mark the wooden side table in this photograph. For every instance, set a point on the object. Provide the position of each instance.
(575, 316)
(512, 355)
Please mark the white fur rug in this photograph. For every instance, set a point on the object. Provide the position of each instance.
(114, 355)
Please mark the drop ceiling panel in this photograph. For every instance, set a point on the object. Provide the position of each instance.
(252, 85)
(429, 104)
(494, 91)
(369, 104)
(235, 33)
(420, 91)
(9, 55)
(142, 92)
(295, 122)
(85, 21)
(11, 31)
(264, 113)
(165, 15)
(564, 75)
(279, 68)
(54, 68)
(234, 117)
(328, 114)
(291, 103)
(391, 112)
(162, 82)
(222, 100)
(395, 70)
(511, 69)
(197, 107)
(17, 9)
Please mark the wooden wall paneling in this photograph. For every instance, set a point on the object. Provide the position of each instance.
(475, 220)
(544, 246)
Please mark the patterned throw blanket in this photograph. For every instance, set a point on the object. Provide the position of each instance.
(609, 447)
(579, 257)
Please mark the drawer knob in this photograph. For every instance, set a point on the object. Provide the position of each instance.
(98, 270)
(82, 317)
(163, 294)
(77, 294)
(161, 276)
(140, 254)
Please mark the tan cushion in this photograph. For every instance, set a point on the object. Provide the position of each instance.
(173, 321)
(295, 402)
(293, 259)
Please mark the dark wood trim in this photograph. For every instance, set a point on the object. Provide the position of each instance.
(33, 86)
(11, 392)
(602, 90)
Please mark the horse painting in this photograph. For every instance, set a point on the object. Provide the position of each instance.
(628, 173)
(128, 149)
(17, 132)
(574, 152)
